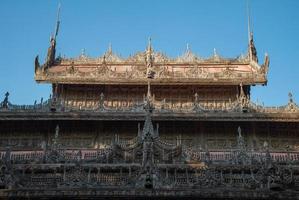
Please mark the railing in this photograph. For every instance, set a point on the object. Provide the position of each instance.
(104, 105)
(92, 154)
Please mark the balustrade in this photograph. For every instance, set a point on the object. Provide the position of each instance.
(131, 104)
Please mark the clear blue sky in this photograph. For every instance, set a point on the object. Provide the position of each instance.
(204, 24)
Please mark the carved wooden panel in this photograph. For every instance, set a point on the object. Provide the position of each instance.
(199, 135)
(127, 96)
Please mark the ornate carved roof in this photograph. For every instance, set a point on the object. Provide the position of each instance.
(188, 68)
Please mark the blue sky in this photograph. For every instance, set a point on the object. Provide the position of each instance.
(204, 24)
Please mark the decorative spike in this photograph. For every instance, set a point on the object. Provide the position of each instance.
(265, 66)
(57, 21)
(6, 95)
(248, 22)
(109, 48)
(83, 52)
(36, 64)
(290, 97)
(149, 45)
(187, 48)
(52, 49)
(252, 49)
(5, 102)
(252, 53)
(215, 52)
(149, 61)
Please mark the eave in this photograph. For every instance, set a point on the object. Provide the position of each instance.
(139, 116)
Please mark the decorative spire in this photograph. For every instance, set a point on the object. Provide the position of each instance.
(252, 49)
(265, 66)
(57, 21)
(52, 49)
(290, 97)
(215, 52)
(36, 64)
(242, 156)
(5, 102)
(109, 48)
(149, 48)
(292, 106)
(252, 53)
(83, 54)
(188, 48)
(248, 21)
(149, 60)
(148, 128)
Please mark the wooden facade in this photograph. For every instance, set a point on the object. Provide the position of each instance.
(149, 126)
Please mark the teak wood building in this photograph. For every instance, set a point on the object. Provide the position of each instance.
(149, 126)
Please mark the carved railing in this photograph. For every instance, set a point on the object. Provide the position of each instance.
(163, 106)
(93, 154)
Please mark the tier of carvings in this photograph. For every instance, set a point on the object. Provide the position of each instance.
(241, 104)
(188, 66)
(147, 162)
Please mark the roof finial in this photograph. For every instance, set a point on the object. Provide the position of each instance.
(52, 49)
(187, 47)
(149, 45)
(110, 48)
(248, 22)
(57, 21)
(5, 102)
(251, 47)
(149, 60)
(215, 52)
(83, 52)
(290, 97)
